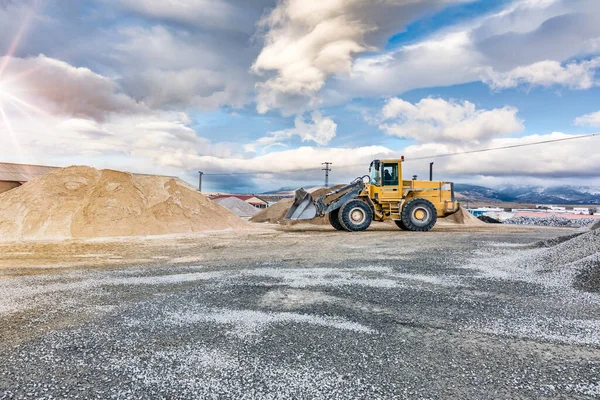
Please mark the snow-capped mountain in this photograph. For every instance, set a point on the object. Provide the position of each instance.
(512, 193)
(532, 194)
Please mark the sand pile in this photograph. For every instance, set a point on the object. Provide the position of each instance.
(462, 217)
(237, 206)
(276, 213)
(82, 202)
(273, 214)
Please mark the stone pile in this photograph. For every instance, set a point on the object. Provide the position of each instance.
(551, 221)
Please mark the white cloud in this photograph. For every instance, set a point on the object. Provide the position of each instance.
(308, 41)
(319, 130)
(347, 161)
(592, 119)
(47, 138)
(547, 73)
(438, 120)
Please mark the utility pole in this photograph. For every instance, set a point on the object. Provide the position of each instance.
(200, 173)
(326, 169)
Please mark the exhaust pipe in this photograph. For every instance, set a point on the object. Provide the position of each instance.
(431, 171)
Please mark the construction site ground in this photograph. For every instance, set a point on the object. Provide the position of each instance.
(295, 312)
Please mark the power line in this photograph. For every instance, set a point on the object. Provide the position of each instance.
(126, 148)
(503, 147)
(424, 157)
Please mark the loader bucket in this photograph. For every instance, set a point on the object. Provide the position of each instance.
(303, 207)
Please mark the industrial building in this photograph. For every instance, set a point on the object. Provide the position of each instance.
(14, 175)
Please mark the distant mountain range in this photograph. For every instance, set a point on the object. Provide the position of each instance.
(512, 193)
(530, 194)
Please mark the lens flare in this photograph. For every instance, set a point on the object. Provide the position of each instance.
(8, 98)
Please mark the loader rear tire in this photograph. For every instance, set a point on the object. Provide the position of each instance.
(334, 219)
(355, 216)
(419, 215)
(400, 224)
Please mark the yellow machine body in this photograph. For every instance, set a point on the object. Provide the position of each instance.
(389, 192)
(414, 205)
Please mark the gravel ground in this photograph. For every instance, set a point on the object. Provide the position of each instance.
(305, 313)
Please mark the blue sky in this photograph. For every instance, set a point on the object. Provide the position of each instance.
(241, 89)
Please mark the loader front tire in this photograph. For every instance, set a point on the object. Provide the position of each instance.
(334, 219)
(355, 216)
(419, 215)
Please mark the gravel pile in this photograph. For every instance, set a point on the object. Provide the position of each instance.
(572, 261)
(551, 221)
(237, 206)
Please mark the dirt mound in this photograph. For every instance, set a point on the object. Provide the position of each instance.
(276, 213)
(595, 226)
(237, 206)
(273, 214)
(82, 202)
(462, 217)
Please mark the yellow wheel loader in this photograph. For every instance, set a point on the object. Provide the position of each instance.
(413, 205)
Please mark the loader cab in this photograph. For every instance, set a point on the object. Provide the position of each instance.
(385, 172)
(386, 179)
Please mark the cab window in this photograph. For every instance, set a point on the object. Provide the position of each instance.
(374, 175)
(390, 174)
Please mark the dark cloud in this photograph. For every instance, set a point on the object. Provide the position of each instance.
(159, 56)
(558, 38)
(64, 89)
(226, 15)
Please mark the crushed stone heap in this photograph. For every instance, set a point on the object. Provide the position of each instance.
(237, 206)
(575, 258)
(83, 202)
(554, 221)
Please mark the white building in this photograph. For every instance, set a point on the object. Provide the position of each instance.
(581, 210)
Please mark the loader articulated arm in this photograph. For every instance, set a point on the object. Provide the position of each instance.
(305, 207)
